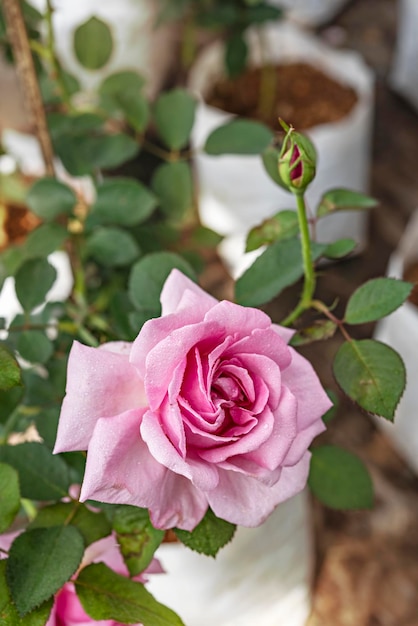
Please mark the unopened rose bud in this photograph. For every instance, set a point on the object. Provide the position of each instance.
(297, 160)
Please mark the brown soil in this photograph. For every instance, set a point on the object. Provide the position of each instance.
(411, 274)
(297, 85)
(15, 223)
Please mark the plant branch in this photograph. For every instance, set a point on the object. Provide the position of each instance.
(309, 283)
(58, 74)
(19, 40)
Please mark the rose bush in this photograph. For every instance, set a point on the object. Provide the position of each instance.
(67, 609)
(208, 407)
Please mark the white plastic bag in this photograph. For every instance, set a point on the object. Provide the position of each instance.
(400, 331)
(404, 73)
(138, 45)
(263, 577)
(235, 193)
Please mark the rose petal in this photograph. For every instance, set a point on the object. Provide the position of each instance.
(174, 288)
(238, 320)
(246, 501)
(202, 475)
(313, 402)
(100, 383)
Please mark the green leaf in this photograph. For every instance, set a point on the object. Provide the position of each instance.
(133, 105)
(375, 299)
(283, 225)
(33, 281)
(44, 240)
(49, 198)
(319, 331)
(93, 44)
(34, 346)
(10, 375)
(91, 525)
(42, 476)
(112, 247)
(47, 424)
(9, 496)
(209, 536)
(106, 595)
(270, 158)
(123, 201)
(121, 82)
(339, 479)
(84, 154)
(279, 266)
(344, 200)
(174, 114)
(236, 53)
(372, 374)
(340, 248)
(148, 276)
(238, 137)
(8, 612)
(40, 562)
(330, 414)
(9, 399)
(137, 538)
(173, 184)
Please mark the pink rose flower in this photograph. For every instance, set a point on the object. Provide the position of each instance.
(67, 609)
(208, 406)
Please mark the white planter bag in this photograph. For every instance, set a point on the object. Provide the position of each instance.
(311, 12)
(138, 45)
(235, 192)
(404, 73)
(400, 331)
(263, 577)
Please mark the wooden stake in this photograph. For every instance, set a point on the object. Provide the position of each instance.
(25, 66)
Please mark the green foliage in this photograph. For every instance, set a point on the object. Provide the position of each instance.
(238, 137)
(10, 375)
(121, 93)
(93, 43)
(236, 54)
(44, 240)
(174, 113)
(34, 346)
(375, 299)
(209, 536)
(343, 200)
(8, 612)
(279, 266)
(112, 247)
(9, 400)
(319, 331)
(49, 198)
(40, 561)
(372, 374)
(173, 184)
(147, 278)
(283, 225)
(34, 279)
(106, 595)
(123, 202)
(9, 496)
(42, 476)
(137, 537)
(270, 158)
(339, 479)
(340, 248)
(92, 526)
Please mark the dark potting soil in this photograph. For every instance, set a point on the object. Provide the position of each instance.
(15, 223)
(304, 96)
(411, 274)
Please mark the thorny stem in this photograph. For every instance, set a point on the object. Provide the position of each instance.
(19, 40)
(308, 269)
(320, 306)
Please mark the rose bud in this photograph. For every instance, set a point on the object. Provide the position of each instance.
(297, 160)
